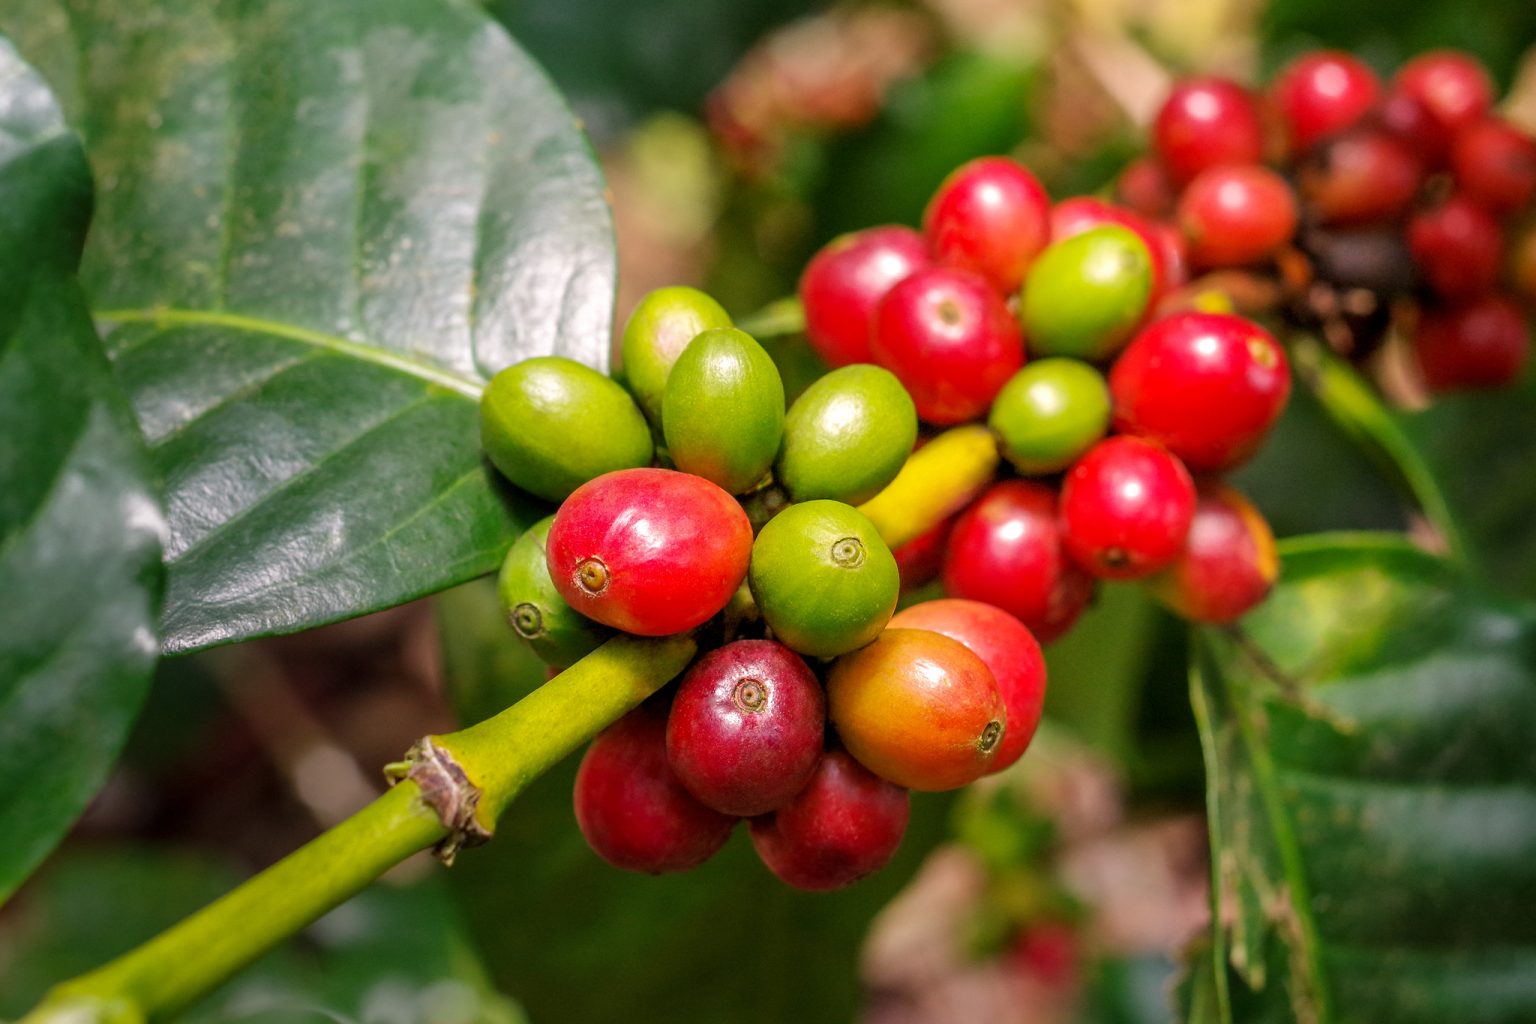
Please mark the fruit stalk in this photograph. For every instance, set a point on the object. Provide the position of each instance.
(498, 756)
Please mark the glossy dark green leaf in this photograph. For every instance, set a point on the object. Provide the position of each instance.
(573, 939)
(389, 954)
(1482, 447)
(321, 227)
(1372, 795)
(80, 526)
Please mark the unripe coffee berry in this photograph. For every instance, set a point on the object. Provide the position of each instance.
(533, 607)
(631, 807)
(846, 280)
(919, 709)
(745, 730)
(723, 410)
(657, 332)
(1086, 293)
(1049, 414)
(649, 551)
(1126, 508)
(844, 825)
(847, 436)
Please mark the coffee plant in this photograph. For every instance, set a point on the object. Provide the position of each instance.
(306, 312)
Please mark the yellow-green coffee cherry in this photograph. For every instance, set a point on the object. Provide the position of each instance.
(847, 436)
(1085, 294)
(1049, 414)
(658, 331)
(550, 424)
(556, 632)
(723, 410)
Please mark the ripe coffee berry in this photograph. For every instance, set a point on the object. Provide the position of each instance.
(919, 709)
(989, 216)
(1458, 248)
(631, 807)
(1207, 386)
(649, 551)
(1205, 123)
(1321, 94)
(846, 280)
(951, 341)
(844, 825)
(1228, 564)
(1236, 215)
(1481, 343)
(745, 730)
(1495, 164)
(1144, 187)
(1009, 650)
(1126, 508)
(1452, 89)
(1006, 550)
(920, 559)
(1361, 177)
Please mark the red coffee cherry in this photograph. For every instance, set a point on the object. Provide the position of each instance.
(844, 825)
(1126, 508)
(1236, 215)
(844, 282)
(746, 727)
(951, 341)
(1006, 551)
(1082, 213)
(1495, 164)
(1323, 93)
(1483, 343)
(649, 551)
(989, 216)
(1452, 88)
(1458, 248)
(1006, 646)
(1143, 186)
(1361, 177)
(921, 559)
(631, 808)
(1228, 564)
(1207, 386)
(1205, 123)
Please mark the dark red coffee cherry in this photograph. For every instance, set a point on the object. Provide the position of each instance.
(1207, 386)
(921, 559)
(746, 727)
(1126, 507)
(1006, 551)
(1361, 177)
(1143, 186)
(1458, 248)
(951, 341)
(1495, 164)
(1205, 123)
(1236, 214)
(632, 808)
(1451, 89)
(1083, 213)
(649, 551)
(844, 282)
(1323, 93)
(1228, 564)
(989, 216)
(1006, 646)
(844, 825)
(1483, 343)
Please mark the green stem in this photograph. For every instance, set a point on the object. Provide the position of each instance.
(779, 317)
(499, 756)
(1352, 404)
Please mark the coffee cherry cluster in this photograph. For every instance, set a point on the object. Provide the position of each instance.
(1402, 204)
(1117, 420)
(691, 500)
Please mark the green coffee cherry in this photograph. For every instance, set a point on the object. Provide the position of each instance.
(723, 410)
(822, 578)
(550, 424)
(557, 633)
(1049, 413)
(658, 331)
(1085, 295)
(847, 436)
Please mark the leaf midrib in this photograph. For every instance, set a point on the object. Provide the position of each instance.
(168, 317)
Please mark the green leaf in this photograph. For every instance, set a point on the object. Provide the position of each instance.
(80, 526)
(1481, 447)
(390, 953)
(572, 938)
(322, 227)
(1372, 794)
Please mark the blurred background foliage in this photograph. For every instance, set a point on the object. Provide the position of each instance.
(738, 136)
